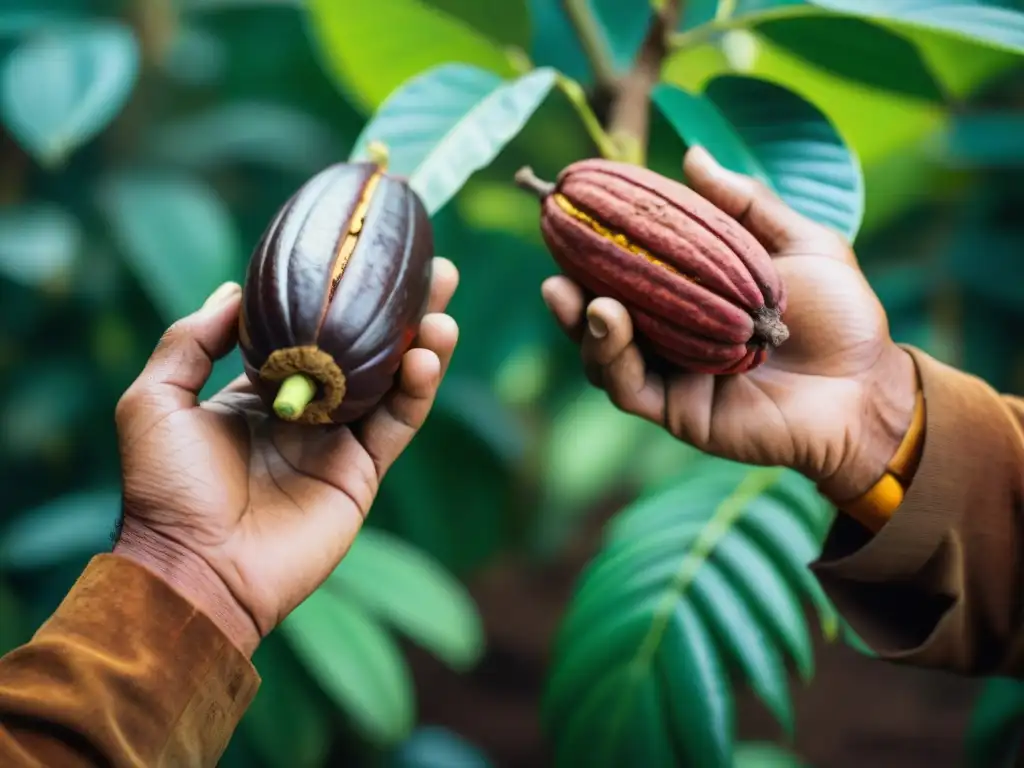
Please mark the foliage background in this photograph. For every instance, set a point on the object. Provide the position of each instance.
(122, 212)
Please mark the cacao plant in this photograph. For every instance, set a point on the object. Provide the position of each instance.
(149, 144)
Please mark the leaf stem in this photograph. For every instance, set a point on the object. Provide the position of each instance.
(726, 21)
(593, 42)
(574, 92)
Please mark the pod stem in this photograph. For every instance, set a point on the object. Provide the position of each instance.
(379, 154)
(769, 326)
(528, 180)
(296, 392)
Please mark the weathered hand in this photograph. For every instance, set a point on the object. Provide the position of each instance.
(245, 514)
(833, 402)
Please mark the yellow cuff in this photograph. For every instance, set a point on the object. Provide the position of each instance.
(876, 506)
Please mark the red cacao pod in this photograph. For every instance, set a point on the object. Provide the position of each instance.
(701, 290)
(334, 294)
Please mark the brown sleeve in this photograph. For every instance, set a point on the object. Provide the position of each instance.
(942, 584)
(125, 673)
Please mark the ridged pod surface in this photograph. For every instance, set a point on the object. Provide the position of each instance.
(334, 294)
(701, 290)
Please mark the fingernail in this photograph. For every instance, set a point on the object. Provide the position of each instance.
(704, 159)
(598, 328)
(222, 295)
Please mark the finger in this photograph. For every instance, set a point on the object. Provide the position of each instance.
(608, 344)
(749, 201)
(184, 358)
(443, 283)
(387, 431)
(565, 300)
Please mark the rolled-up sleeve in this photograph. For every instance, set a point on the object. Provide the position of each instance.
(942, 584)
(126, 673)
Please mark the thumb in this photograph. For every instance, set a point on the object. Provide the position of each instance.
(748, 200)
(184, 358)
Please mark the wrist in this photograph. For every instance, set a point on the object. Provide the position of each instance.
(192, 578)
(887, 411)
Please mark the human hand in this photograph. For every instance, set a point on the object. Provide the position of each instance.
(244, 514)
(833, 402)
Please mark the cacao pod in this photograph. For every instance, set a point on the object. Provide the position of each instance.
(335, 292)
(702, 292)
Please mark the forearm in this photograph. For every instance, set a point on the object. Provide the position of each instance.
(127, 672)
(940, 584)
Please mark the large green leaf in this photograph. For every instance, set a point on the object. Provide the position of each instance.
(446, 124)
(371, 48)
(38, 243)
(759, 128)
(62, 87)
(435, 747)
(68, 527)
(997, 722)
(624, 26)
(984, 140)
(988, 22)
(356, 662)
(764, 755)
(176, 235)
(697, 579)
(411, 591)
(506, 23)
(262, 133)
(285, 721)
(858, 50)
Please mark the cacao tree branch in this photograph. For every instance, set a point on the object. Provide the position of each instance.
(593, 42)
(629, 118)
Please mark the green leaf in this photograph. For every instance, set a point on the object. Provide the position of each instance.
(285, 721)
(435, 747)
(261, 133)
(62, 87)
(764, 755)
(371, 49)
(404, 587)
(761, 129)
(686, 589)
(176, 235)
(73, 526)
(857, 50)
(446, 124)
(624, 26)
(44, 405)
(505, 23)
(997, 721)
(14, 630)
(356, 663)
(38, 243)
(988, 22)
(986, 140)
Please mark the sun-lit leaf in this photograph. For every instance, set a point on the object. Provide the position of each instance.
(762, 129)
(435, 747)
(688, 587)
(62, 87)
(38, 243)
(445, 124)
(857, 50)
(506, 23)
(372, 48)
(68, 527)
(260, 133)
(761, 754)
(356, 663)
(176, 235)
(409, 590)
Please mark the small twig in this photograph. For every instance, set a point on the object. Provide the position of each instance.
(593, 42)
(574, 92)
(526, 179)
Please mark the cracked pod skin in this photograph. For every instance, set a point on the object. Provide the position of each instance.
(336, 289)
(701, 290)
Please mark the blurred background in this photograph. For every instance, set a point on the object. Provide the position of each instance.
(145, 146)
